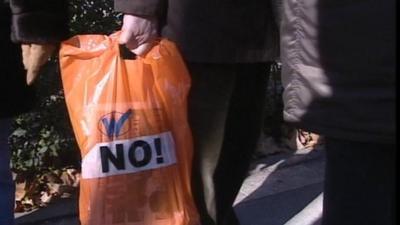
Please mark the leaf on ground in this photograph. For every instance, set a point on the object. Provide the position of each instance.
(45, 198)
(40, 190)
(20, 191)
(305, 139)
(70, 177)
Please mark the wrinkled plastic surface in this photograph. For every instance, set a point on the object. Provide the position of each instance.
(130, 121)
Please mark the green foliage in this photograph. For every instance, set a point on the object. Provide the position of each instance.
(43, 139)
(93, 17)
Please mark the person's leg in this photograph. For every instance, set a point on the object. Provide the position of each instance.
(359, 183)
(243, 130)
(7, 187)
(208, 107)
(226, 105)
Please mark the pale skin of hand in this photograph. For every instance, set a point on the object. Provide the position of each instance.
(34, 56)
(138, 33)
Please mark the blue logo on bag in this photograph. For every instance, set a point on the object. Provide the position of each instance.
(112, 124)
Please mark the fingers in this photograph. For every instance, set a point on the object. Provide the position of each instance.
(126, 36)
(142, 49)
(34, 57)
(129, 32)
(132, 44)
(40, 54)
(25, 55)
(138, 33)
(31, 74)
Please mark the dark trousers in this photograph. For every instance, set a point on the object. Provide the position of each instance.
(359, 183)
(226, 105)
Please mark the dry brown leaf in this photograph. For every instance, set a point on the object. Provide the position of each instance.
(19, 207)
(52, 178)
(33, 192)
(54, 189)
(45, 197)
(20, 191)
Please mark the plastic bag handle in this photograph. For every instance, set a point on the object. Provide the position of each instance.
(125, 53)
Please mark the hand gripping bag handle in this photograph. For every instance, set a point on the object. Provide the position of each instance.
(128, 110)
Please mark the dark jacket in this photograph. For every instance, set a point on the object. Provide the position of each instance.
(25, 21)
(214, 31)
(339, 68)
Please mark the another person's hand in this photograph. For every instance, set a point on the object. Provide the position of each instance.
(34, 56)
(138, 33)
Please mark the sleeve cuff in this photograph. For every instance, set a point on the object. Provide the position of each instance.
(39, 21)
(39, 28)
(138, 7)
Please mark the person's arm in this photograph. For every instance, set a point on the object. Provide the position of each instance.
(144, 8)
(39, 25)
(140, 25)
(39, 21)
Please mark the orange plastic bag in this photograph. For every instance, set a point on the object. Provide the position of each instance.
(130, 121)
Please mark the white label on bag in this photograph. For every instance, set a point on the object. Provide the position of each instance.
(129, 156)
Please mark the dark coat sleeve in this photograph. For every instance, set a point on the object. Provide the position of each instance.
(139, 7)
(39, 21)
(277, 10)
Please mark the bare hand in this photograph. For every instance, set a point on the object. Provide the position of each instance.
(34, 56)
(138, 33)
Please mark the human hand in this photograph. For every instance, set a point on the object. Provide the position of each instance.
(138, 33)
(34, 56)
